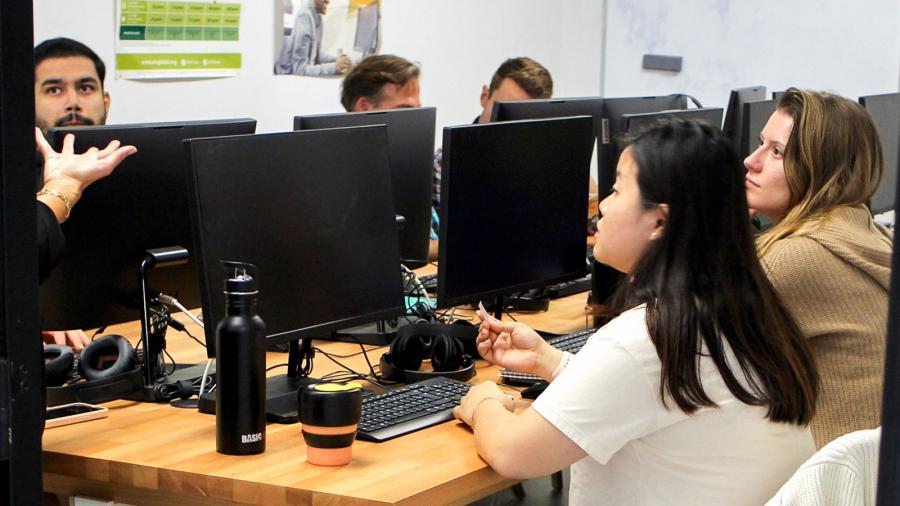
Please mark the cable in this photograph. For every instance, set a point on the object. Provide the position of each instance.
(99, 330)
(173, 363)
(356, 354)
(203, 378)
(410, 279)
(179, 326)
(172, 301)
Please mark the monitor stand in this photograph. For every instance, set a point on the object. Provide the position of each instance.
(380, 333)
(188, 372)
(281, 390)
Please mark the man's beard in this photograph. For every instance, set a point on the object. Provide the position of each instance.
(74, 119)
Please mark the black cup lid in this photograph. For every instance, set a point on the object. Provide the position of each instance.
(330, 404)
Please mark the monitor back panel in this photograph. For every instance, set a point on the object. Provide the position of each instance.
(313, 211)
(885, 112)
(513, 205)
(755, 116)
(410, 135)
(143, 204)
(550, 108)
(711, 116)
(612, 127)
(731, 126)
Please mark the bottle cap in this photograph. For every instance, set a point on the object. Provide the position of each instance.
(240, 278)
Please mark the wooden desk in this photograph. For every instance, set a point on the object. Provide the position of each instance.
(157, 454)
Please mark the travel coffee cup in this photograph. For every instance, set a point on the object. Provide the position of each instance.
(330, 413)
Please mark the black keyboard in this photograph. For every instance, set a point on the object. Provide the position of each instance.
(410, 408)
(571, 287)
(568, 342)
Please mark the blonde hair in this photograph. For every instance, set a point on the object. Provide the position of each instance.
(833, 158)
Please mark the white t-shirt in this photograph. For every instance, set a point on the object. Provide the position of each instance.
(640, 452)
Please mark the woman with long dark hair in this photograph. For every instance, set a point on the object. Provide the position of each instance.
(700, 390)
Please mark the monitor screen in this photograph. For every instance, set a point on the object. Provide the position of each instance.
(736, 100)
(712, 116)
(142, 205)
(410, 135)
(885, 112)
(612, 127)
(512, 209)
(313, 212)
(366, 29)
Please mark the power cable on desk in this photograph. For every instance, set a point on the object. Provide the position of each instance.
(203, 378)
(173, 363)
(177, 325)
(411, 281)
(355, 354)
(380, 380)
(356, 375)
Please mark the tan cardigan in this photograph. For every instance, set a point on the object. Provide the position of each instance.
(835, 282)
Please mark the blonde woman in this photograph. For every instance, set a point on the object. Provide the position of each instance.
(818, 163)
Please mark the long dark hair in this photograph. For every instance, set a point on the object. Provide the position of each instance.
(703, 283)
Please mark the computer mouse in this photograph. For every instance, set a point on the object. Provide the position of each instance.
(534, 390)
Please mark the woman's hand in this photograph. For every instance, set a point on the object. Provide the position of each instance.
(486, 391)
(515, 346)
(76, 338)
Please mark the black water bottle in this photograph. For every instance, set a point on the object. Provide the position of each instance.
(240, 366)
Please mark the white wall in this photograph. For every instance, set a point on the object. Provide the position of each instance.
(852, 48)
(459, 44)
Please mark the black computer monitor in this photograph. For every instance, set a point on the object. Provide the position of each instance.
(366, 38)
(754, 118)
(613, 126)
(143, 204)
(731, 127)
(410, 137)
(549, 108)
(512, 207)
(552, 108)
(313, 211)
(712, 116)
(885, 112)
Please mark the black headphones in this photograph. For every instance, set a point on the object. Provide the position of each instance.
(102, 359)
(441, 343)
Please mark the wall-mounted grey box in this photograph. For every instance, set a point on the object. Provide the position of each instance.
(662, 62)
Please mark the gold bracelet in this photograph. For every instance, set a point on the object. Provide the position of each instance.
(60, 196)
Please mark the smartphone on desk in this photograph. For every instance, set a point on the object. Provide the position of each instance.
(73, 413)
